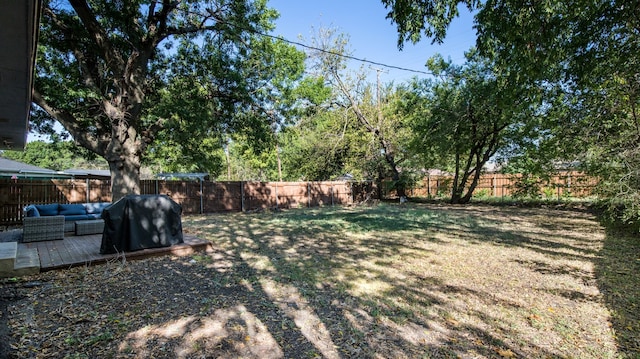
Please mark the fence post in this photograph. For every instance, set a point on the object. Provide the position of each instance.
(429, 186)
(494, 184)
(157, 186)
(351, 190)
(88, 191)
(201, 198)
(308, 195)
(241, 196)
(275, 185)
(331, 192)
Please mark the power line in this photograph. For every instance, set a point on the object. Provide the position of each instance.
(343, 55)
(297, 43)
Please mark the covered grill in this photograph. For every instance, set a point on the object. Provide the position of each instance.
(139, 222)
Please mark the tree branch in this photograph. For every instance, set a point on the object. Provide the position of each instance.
(96, 32)
(86, 71)
(69, 122)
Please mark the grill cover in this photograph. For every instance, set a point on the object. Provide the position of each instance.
(137, 222)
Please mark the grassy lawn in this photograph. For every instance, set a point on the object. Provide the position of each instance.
(390, 281)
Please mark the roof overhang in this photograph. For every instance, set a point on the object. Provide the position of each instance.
(20, 21)
(35, 175)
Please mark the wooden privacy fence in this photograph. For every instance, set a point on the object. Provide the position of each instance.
(193, 196)
(573, 184)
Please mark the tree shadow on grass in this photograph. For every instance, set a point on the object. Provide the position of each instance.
(274, 286)
(617, 270)
(496, 225)
(224, 313)
(379, 321)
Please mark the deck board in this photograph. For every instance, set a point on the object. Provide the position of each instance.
(63, 251)
(75, 250)
(85, 250)
(89, 248)
(52, 253)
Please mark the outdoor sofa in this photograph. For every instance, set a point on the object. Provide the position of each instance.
(43, 222)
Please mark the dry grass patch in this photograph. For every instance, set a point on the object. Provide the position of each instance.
(414, 281)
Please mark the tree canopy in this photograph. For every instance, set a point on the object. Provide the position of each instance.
(463, 117)
(355, 94)
(584, 55)
(120, 75)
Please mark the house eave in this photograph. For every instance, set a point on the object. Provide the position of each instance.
(20, 21)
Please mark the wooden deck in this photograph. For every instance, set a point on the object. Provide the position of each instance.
(85, 250)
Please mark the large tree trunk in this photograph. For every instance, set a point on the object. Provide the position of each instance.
(476, 161)
(455, 191)
(477, 171)
(125, 177)
(398, 184)
(124, 157)
(122, 150)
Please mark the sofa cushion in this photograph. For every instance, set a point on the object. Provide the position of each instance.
(95, 208)
(47, 209)
(77, 217)
(94, 215)
(72, 209)
(31, 211)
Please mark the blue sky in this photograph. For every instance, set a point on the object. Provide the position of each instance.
(372, 36)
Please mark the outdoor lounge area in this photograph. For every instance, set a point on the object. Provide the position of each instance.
(44, 222)
(65, 235)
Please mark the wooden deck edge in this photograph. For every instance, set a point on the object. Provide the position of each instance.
(180, 250)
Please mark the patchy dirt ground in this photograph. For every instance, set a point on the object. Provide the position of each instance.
(383, 282)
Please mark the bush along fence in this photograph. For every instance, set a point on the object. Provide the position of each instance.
(561, 185)
(193, 196)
